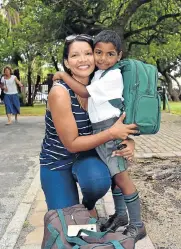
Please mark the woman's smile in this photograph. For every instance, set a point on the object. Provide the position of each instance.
(83, 67)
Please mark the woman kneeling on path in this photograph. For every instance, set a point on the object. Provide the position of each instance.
(67, 155)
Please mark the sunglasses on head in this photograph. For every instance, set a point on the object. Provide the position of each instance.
(72, 38)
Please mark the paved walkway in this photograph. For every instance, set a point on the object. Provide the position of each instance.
(35, 220)
(167, 143)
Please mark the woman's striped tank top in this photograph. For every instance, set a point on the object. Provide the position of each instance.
(53, 153)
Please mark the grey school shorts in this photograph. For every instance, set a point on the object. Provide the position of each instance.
(115, 164)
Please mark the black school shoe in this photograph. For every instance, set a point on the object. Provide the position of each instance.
(136, 232)
(114, 222)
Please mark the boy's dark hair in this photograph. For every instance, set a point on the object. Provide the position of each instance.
(107, 36)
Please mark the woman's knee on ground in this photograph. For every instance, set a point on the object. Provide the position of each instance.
(93, 177)
(95, 189)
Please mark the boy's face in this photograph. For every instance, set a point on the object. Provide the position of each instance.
(106, 55)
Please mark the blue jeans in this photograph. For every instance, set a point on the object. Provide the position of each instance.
(60, 187)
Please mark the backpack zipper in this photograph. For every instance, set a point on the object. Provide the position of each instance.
(148, 89)
(136, 89)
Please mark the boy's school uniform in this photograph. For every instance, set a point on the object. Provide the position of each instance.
(102, 90)
(103, 114)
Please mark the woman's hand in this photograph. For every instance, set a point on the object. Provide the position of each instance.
(122, 131)
(58, 76)
(128, 152)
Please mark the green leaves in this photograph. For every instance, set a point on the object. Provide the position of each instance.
(151, 28)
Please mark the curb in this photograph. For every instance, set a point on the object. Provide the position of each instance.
(160, 155)
(14, 228)
(145, 243)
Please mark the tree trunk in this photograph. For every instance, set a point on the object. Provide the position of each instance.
(38, 79)
(121, 21)
(178, 84)
(55, 63)
(29, 86)
(172, 93)
(120, 31)
(17, 74)
(50, 81)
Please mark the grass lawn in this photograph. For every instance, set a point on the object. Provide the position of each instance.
(39, 110)
(175, 107)
(36, 110)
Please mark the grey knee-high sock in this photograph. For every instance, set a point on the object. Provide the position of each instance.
(134, 209)
(119, 202)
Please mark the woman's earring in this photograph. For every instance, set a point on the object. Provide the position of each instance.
(66, 64)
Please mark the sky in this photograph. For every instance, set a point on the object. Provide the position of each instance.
(3, 1)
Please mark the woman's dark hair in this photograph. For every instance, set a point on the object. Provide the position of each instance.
(8, 67)
(68, 42)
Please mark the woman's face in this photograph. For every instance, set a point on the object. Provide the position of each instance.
(7, 72)
(80, 60)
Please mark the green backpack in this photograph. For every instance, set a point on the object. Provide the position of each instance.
(141, 99)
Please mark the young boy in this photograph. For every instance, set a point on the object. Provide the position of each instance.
(104, 105)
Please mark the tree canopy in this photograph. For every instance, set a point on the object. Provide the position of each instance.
(34, 30)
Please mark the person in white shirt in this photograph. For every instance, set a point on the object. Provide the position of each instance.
(105, 105)
(11, 99)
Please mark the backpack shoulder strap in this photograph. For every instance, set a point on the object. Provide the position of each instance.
(118, 65)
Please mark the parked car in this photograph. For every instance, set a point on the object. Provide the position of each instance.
(41, 97)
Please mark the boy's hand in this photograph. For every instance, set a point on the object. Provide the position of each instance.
(58, 76)
(127, 152)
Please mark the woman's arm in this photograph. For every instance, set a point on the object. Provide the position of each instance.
(66, 127)
(76, 86)
(3, 85)
(18, 82)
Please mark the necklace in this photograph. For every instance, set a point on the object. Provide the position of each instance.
(78, 81)
(78, 97)
(80, 102)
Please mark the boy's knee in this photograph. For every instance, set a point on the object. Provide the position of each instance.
(122, 179)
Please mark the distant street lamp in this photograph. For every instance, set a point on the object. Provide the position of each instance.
(164, 98)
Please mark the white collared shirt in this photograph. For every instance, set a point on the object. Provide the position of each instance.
(103, 89)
